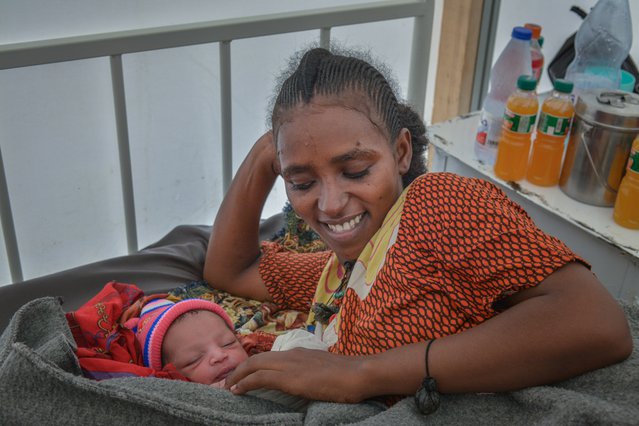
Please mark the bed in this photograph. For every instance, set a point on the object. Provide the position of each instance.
(41, 381)
(40, 378)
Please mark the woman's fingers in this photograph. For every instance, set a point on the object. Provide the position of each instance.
(311, 374)
(256, 372)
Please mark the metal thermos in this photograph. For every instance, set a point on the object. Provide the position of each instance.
(604, 126)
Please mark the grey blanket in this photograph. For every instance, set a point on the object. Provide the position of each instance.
(41, 383)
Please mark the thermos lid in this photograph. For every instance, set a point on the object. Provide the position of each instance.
(609, 108)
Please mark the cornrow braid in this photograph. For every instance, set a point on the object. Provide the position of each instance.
(323, 73)
(419, 142)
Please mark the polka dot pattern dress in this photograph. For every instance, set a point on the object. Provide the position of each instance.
(462, 245)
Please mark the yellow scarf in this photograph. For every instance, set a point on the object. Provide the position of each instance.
(368, 264)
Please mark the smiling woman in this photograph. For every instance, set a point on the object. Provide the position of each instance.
(415, 258)
(342, 175)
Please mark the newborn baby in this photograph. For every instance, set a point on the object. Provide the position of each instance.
(197, 337)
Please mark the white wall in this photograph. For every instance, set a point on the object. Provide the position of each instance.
(57, 127)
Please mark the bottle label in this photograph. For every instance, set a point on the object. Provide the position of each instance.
(489, 130)
(553, 126)
(519, 123)
(633, 162)
(537, 66)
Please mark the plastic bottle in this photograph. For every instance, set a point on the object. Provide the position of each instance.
(553, 126)
(519, 121)
(602, 44)
(626, 211)
(537, 56)
(513, 61)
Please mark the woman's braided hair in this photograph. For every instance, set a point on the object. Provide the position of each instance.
(323, 73)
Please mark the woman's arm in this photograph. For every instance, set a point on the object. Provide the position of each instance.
(233, 252)
(567, 325)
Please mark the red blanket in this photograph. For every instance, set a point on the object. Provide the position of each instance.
(106, 347)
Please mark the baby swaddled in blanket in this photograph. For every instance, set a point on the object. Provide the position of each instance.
(191, 339)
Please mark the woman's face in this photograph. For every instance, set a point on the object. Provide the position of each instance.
(342, 175)
(203, 348)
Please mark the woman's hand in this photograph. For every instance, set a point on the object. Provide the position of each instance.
(266, 147)
(307, 373)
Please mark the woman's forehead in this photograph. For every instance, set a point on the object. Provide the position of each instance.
(324, 117)
(351, 100)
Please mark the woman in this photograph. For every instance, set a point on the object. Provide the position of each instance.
(414, 260)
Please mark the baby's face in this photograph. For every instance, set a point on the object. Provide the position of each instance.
(203, 348)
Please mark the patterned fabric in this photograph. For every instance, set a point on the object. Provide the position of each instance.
(247, 315)
(298, 274)
(106, 348)
(461, 246)
(296, 235)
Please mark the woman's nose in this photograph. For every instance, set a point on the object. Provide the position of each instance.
(332, 198)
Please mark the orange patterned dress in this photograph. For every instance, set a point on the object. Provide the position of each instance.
(448, 250)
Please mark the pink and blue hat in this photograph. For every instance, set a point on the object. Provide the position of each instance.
(156, 318)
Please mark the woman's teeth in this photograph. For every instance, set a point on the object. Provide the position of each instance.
(346, 226)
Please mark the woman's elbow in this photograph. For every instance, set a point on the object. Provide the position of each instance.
(615, 338)
(605, 333)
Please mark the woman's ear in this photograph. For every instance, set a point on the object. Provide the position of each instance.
(403, 151)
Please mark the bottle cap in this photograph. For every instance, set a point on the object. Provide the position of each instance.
(521, 33)
(563, 86)
(526, 82)
(536, 29)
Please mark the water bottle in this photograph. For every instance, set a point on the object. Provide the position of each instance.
(602, 44)
(513, 61)
(535, 50)
(519, 121)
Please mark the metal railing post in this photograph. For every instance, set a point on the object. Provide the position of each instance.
(420, 48)
(126, 175)
(8, 227)
(325, 38)
(226, 114)
(485, 48)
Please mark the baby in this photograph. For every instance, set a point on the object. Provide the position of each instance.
(194, 335)
(197, 337)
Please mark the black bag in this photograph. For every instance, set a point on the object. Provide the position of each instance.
(566, 54)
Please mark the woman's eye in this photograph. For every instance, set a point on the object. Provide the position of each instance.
(301, 186)
(357, 175)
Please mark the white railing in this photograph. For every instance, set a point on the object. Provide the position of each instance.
(116, 44)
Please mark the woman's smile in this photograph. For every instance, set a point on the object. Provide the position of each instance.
(345, 226)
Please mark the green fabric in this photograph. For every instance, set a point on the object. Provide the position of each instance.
(41, 383)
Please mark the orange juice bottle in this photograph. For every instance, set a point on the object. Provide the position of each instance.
(519, 121)
(626, 211)
(554, 123)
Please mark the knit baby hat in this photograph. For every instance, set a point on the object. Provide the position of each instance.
(156, 318)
